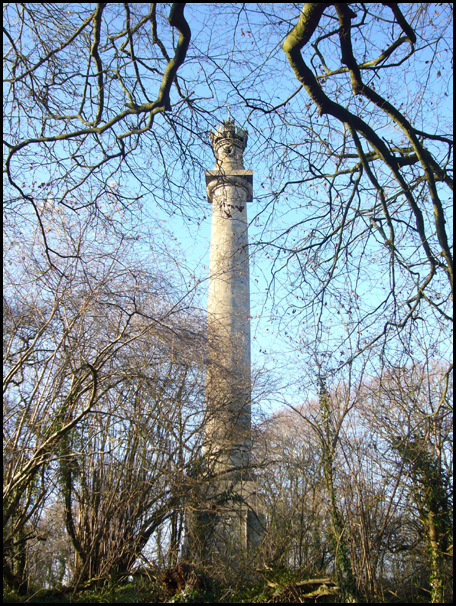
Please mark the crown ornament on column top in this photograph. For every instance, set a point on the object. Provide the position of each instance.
(228, 143)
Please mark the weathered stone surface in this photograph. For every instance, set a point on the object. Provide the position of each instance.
(228, 517)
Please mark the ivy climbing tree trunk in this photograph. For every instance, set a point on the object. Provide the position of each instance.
(328, 439)
(429, 491)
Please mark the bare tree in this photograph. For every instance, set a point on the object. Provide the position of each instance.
(295, 502)
(49, 557)
(359, 484)
(100, 356)
(359, 221)
(84, 121)
(124, 470)
(409, 409)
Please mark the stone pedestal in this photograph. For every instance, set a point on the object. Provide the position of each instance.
(224, 525)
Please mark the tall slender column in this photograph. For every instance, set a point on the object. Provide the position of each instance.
(224, 520)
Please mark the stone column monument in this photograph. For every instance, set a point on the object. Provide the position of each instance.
(225, 518)
(237, 522)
